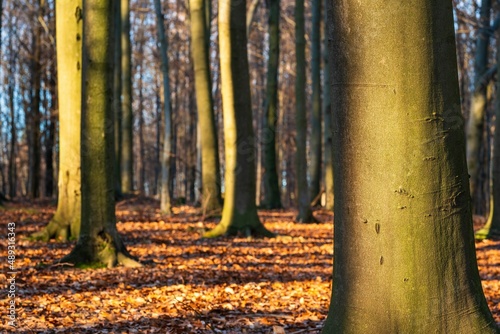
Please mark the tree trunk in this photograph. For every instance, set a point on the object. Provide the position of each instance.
(272, 197)
(66, 221)
(34, 172)
(165, 204)
(327, 125)
(478, 102)
(252, 9)
(315, 141)
(117, 91)
(304, 214)
(404, 258)
(492, 226)
(127, 158)
(99, 243)
(211, 197)
(239, 213)
(13, 130)
(142, 150)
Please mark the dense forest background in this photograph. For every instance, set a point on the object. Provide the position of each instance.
(29, 111)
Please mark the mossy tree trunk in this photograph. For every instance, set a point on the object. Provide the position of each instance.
(272, 197)
(127, 125)
(327, 124)
(240, 211)
(304, 214)
(315, 140)
(492, 227)
(165, 203)
(66, 221)
(475, 124)
(210, 179)
(404, 258)
(99, 243)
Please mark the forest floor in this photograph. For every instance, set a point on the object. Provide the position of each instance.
(188, 285)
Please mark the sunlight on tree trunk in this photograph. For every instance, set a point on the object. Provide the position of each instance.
(127, 158)
(99, 243)
(492, 226)
(66, 221)
(240, 212)
(404, 257)
(210, 169)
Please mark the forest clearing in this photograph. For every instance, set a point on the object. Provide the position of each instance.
(188, 284)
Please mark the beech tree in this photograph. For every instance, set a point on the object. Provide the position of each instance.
(99, 243)
(272, 197)
(304, 207)
(66, 221)
(404, 259)
(239, 213)
(210, 169)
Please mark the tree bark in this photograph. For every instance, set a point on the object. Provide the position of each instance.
(315, 140)
(127, 157)
(66, 221)
(99, 243)
(272, 197)
(304, 214)
(475, 124)
(239, 213)
(404, 257)
(211, 197)
(117, 92)
(327, 124)
(34, 150)
(165, 201)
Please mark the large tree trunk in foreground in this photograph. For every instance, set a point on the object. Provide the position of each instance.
(240, 211)
(210, 169)
(66, 221)
(305, 214)
(165, 205)
(492, 227)
(475, 124)
(404, 259)
(127, 150)
(272, 197)
(99, 243)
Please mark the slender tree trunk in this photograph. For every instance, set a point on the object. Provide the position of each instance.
(327, 124)
(404, 258)
(66, 221)
(240, 212)
(117, 92)
(492, 227)
(34, 171)
(127, 158)
(211, 197)
(478, 103)
(304, 214)
(272, 197)
(315, 141)
(142, 153)
(165, 204)
(13, 131)
(99, 242)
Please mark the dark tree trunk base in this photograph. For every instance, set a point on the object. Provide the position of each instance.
(249, 227)
(102, 251)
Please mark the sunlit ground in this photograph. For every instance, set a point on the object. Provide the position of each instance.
(188, 285)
